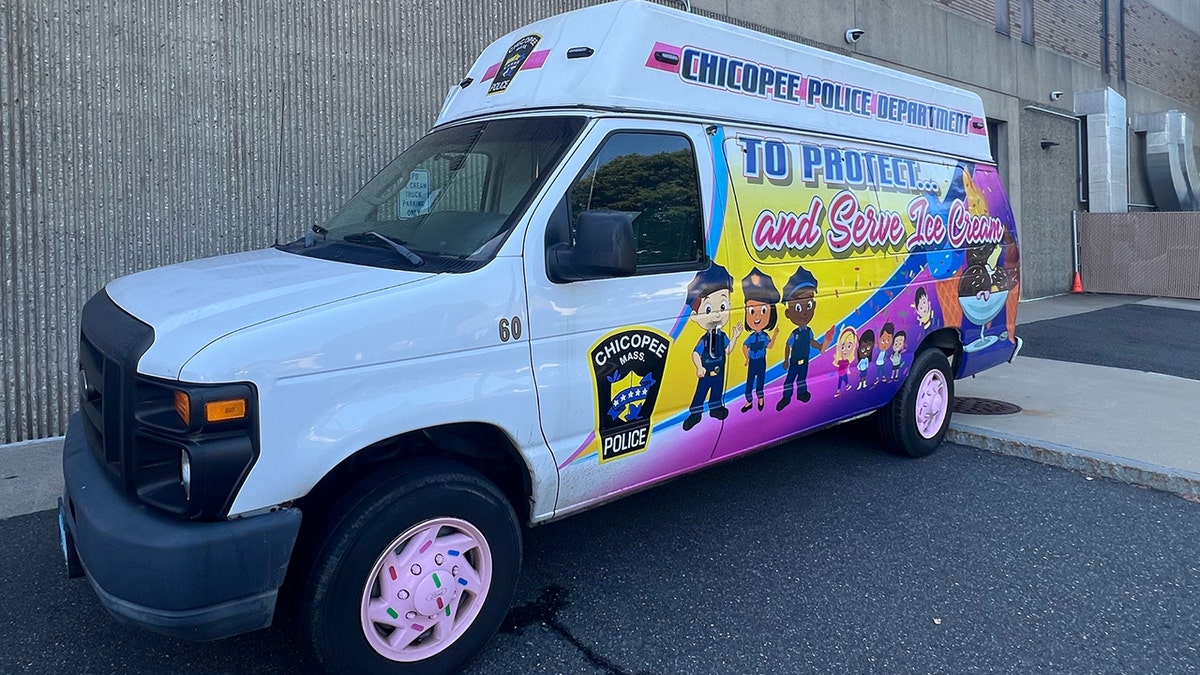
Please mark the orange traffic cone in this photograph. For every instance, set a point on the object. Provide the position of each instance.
(1077, 284)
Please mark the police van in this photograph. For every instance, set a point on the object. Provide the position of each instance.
(636, 242)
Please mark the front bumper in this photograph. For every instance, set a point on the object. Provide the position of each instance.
(186, 579)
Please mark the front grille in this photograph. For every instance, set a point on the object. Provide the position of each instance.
(111, 342)
(92, 366)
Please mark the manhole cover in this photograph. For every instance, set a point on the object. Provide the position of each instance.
(969, 405)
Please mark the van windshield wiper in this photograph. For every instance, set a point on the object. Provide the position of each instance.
(372, 235)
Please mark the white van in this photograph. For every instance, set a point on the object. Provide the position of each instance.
(637, 242)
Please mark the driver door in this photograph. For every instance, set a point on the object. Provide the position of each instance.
(614, 363)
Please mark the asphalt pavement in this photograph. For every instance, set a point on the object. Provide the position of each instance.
(1133, 336)
(824, 555)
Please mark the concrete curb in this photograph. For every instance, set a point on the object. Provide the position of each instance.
(30, 476)
(1124, 469)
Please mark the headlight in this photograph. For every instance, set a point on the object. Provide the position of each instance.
(185, 473)
(193, 445)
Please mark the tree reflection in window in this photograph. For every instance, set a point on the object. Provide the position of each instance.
(653, 179)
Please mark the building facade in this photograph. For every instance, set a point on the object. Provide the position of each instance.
(139, 134)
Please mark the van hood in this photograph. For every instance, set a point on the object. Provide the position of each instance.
(191, 304)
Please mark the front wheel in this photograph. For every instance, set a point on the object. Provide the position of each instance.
(916, 420)
(415, 575)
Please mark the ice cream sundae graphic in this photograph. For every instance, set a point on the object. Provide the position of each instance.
(982, 291)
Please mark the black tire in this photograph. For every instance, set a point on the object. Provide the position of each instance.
(897, 420)
(361, 529)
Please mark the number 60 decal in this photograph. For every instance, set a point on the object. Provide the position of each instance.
(510, 329)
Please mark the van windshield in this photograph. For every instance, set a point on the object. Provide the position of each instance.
(449, 201)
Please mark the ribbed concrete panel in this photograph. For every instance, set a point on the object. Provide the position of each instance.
(138, 133)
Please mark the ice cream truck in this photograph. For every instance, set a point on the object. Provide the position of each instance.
(636, 242)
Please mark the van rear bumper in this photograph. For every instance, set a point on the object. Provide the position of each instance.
(186, 579)
(1020, 343)
(997, 354)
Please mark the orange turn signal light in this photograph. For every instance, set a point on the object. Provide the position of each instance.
(223, 411)
(183, 406)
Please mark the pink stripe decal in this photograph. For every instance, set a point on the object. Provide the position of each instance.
(652, 62)
(535, 60)
(575, 455)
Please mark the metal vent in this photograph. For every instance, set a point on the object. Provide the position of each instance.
(969, 405)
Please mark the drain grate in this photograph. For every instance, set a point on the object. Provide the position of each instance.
(969, 405)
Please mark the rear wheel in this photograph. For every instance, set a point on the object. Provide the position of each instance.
(416, 573)
(916, 420)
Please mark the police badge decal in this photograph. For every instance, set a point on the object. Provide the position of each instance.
(513, 60)
(628, 367)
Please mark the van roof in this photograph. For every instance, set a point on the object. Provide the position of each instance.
(634, 55)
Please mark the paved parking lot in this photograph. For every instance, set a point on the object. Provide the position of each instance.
(824, 555)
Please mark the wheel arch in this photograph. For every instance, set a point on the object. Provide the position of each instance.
(482, 447)
(949, 341)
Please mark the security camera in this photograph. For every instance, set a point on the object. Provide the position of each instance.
(854, 35)
(1055, 95)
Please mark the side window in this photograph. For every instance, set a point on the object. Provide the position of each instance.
(653, 178)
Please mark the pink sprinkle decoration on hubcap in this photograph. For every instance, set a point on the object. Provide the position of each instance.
(444, 601)
(933, 401)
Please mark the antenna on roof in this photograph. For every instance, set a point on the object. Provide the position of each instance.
(687, 5)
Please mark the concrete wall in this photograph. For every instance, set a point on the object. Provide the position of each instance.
(1047, 265)
(1186, 12)
(143, 133)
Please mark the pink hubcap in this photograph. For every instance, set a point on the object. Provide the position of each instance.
(426, 589)
(933, 400)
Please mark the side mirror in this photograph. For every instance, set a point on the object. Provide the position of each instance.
(604, 247)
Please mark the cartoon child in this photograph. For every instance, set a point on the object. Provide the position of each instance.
(885, 343)
(800, 293)
(708, 296)
(866, 345)
(897, 354)
(761, 316)
(924, 309)
(843, 356)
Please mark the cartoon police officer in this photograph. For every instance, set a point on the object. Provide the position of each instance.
(761, 316)
(800, 303)
(709, 297)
